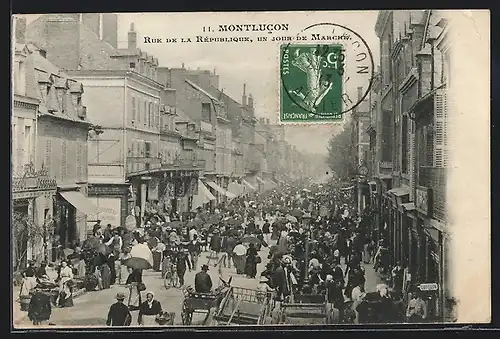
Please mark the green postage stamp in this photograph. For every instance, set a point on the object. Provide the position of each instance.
(311, 79)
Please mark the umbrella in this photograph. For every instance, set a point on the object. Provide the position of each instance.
(291, 218)
(239, 250)
(214, 219)
(251, 239)
(142, 251)
(68, 251)
(173, 224)
(297, 213)
(137, 263)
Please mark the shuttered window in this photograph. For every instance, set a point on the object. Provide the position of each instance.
(64, 159)
(79, 160)
(134, 109)
(48, 155)
(440, 138)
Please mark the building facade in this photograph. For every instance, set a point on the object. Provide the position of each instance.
(408, 140)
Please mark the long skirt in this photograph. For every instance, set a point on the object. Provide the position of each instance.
(106, 276)
(239, 262)
(134, 297)
(156, 261)
(251, 267)
(123, 274)
(149, 320)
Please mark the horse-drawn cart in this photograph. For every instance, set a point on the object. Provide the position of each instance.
(305, 309)
(243, 306)
(202, 302)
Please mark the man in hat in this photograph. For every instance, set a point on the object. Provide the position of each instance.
(202, 281)
(119, 314)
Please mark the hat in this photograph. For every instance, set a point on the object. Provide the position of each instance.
(168, 228)
(120, 296)
(204, 267)
(150, 292)
(329, 277)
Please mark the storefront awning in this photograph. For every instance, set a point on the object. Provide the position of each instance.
(220, 190)
(204, 196)
(400, 191)
(205, 191)
(409, 206)
(260, 180)
(247, 184)
(80, 202)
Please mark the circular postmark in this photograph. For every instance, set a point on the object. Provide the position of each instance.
(319, 69)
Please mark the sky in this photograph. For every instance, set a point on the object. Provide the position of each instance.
(253, 64)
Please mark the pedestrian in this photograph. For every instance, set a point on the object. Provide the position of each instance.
(134, 284)
(149, 310)
(416, 311)
(66, 294)
(203, 281)
(335, 300)
(357, 296)
(397, 279)
(119, 314)
(266, 230)
(182, 263)
(106, 275)
(251, 261)
(215, 246)
(123, 272)
(194, 249)
(230, 244)
(239, 252)
(39, 309)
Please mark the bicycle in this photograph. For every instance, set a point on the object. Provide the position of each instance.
(171, 279)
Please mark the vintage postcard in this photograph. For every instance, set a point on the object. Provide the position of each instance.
(250, 168)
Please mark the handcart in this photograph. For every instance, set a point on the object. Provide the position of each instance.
(201, 302)
(243, 306)
(304, 309)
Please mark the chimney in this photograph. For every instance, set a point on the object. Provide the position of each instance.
(244, 96)
(250, 101)
(20, 30)
(132, 37)
(360, 93)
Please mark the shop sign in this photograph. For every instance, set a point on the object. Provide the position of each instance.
(428, 287)
(423, 200)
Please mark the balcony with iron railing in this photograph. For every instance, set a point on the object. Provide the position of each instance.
(30, 179)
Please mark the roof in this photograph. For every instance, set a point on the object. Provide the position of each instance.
(182, 116)
(198, 88)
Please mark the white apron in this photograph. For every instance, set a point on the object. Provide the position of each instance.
(149, 320)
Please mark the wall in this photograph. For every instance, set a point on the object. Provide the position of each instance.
(62, 148)
(23, 144)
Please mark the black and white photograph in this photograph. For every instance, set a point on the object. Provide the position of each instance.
(199, 169)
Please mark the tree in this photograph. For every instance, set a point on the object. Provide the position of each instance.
(340, 156)
(25, 233)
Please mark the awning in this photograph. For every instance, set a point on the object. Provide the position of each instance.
(235, 188)
(409, 206)
(399, 191)
(204, 196)
(260, 180)
(221, 190)
(80, 202)
(247, 184)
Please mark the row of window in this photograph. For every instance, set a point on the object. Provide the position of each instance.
(145, 113)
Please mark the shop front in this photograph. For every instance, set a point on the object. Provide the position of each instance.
(432, 271)
(204, 197)
(398, 197)
(111, 201)
(71, 210)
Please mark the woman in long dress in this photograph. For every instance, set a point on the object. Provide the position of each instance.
(134, 297)
(106, 276)
(251, 262)
(124, 270)
(149, 310)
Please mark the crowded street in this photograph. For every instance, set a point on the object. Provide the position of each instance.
(307, 231)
